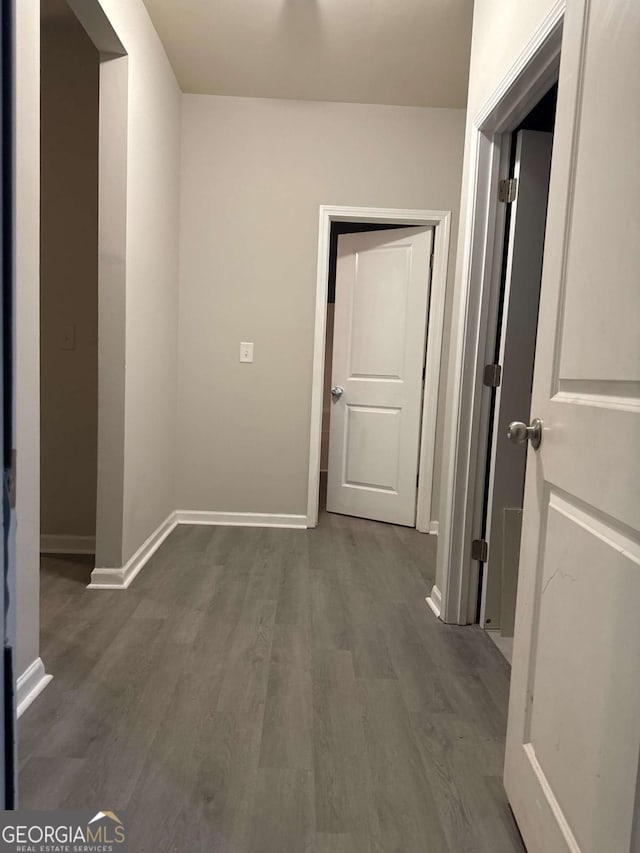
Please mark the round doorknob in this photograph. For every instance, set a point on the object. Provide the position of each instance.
(519, 433)
(337, 392)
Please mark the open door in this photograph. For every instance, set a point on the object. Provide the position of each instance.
(382, 302)
(573, 739)
(523, 272)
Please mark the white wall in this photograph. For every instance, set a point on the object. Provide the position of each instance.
(501, 30)
(154, 103)
(254, 173)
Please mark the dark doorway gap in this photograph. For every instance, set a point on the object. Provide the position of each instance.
(542, 118)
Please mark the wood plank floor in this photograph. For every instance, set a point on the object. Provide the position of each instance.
(271, 691)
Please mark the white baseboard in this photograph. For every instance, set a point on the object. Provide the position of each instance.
(430, 528)
(30, 685)
(241, 519)
(435, 600)
(504, 644)
(58, 543)
(120, 578)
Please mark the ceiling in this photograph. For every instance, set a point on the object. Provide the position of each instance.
(410, 52)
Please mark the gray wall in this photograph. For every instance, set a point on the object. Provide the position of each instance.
(254, 173)
(153, 188)
(69, 278)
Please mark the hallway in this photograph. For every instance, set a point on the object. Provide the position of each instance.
(272, 691)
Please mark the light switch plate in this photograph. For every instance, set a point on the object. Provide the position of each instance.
(246, 351)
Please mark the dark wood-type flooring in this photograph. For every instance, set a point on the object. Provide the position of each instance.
(271, 691)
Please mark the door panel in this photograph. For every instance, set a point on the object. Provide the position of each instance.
(609, 132)
(379, 313)
(373, 441)
(585, 683)
(573, 740)
(382, 299)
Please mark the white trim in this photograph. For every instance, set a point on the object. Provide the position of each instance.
(531, 75)
(30, 685)
(526, 82)
(433, 528)
(241, 519)
(58, 543)
(435, 330)
(120, 578)
(441, 222)
(434, 600)
(503, 644)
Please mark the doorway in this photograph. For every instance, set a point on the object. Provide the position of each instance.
(337, 229)
(377, 311)
(455, 596)
(439, 221)
(84, 254)
(509, 375)
(70, 84)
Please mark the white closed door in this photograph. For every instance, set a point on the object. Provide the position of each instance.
(573, 739)
(382, 303)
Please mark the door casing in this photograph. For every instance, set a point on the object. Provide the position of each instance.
(531, 76)
(440, 220)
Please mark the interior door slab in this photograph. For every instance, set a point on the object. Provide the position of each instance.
(573, 739)
(382, 301)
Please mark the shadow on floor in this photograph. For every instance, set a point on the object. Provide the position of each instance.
(73, 568)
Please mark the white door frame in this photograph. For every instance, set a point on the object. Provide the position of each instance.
(534, 72)
(440, 220)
